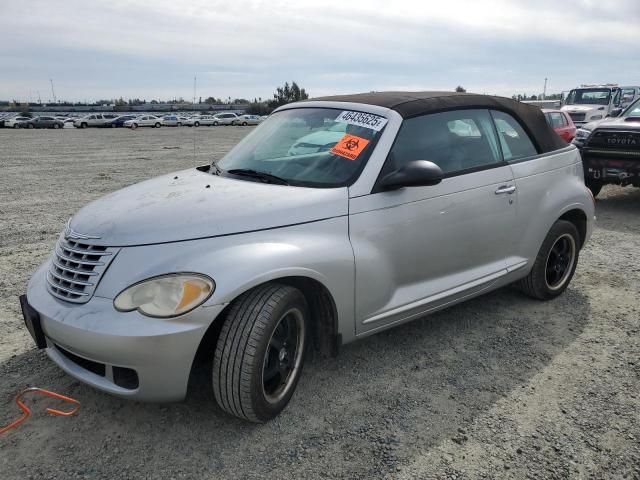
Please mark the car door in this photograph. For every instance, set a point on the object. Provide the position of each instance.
(418, 248)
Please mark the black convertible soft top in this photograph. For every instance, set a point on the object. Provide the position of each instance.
(413, 104)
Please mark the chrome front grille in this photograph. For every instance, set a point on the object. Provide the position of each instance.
(76, 268)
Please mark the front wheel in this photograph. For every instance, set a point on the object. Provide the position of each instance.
(55, 125)
(157, 125)
(595, 186)
(215, 124)
(555, 264)
(196, 124)
(15, 125)
(260, 352)
(30, 125)
(134, 126)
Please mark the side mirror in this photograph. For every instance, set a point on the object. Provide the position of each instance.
(615, 112)
(418, 173)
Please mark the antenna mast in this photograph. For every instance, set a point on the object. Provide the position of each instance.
(53, 92)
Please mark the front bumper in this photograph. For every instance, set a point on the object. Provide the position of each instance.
(100, 346)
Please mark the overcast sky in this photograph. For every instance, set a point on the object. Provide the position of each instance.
(236, 48)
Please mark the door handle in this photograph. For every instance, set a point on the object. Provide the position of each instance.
(509, 189)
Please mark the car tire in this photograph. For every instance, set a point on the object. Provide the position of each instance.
(157, 125)
(55, 125)
(179, 124)
(215, 124)
(15, 125)
(264, 332)
(244, 124)
(196, 124)
(595, 186)
(134, 126)
(555, 263)
(113, 125)
(83, 125)
(30, 125)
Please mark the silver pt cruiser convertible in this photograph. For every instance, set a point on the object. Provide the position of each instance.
(334, 219)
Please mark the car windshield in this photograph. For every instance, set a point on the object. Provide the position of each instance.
(589, 96)
(315, 147)
(633, 110)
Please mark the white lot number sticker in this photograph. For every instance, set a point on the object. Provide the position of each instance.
(367, 120)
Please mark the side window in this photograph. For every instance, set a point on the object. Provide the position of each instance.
(616, 99)
(455, 141)
(514, 140)
(556, 119)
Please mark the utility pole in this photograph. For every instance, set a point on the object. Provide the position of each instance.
(53, 92)
(544, 90)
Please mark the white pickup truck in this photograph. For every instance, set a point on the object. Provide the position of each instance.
(595, 102)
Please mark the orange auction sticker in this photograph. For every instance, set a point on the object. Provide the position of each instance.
(350, 146)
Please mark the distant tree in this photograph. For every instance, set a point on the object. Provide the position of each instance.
(287, 94)
(212, 100)
(460, 89)
(258, 108)
(240, 100)
(25, 114)
(154, 102)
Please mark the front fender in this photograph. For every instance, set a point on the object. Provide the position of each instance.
(317, 250)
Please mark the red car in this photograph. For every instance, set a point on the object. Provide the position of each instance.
(561, 122)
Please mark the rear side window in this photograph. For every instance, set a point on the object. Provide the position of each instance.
(456, 141)
(514, 140)
(556, 119)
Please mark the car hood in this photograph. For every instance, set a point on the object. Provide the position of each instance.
(614, 123)
(194, 204)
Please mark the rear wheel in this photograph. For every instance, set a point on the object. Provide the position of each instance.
(244, 124)
(196, 124)
(260, 352)
(55, 125)
(157, 125)
(215, 124)
(555, 264)
(15, 125)
(30, 125)
(134, 126)
(595, 186)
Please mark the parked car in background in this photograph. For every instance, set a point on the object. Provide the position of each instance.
(561, 122)
(261, 255)
(118, 122)
(144, 121)
(13, 122)
(173, 121)
(91, 120)
(225, 119)
(247, 120)
(201, 121)
(42, 122)
(610, 150)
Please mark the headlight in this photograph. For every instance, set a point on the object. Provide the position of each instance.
(166, 296)
(596, 117)
(582, 133)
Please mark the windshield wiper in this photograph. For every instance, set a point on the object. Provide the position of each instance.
(264, 176)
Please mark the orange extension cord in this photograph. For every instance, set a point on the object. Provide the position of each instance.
(26, 411)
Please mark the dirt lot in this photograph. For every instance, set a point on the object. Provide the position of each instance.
(499, 387)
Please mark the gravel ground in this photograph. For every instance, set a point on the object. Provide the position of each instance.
(499, 387)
